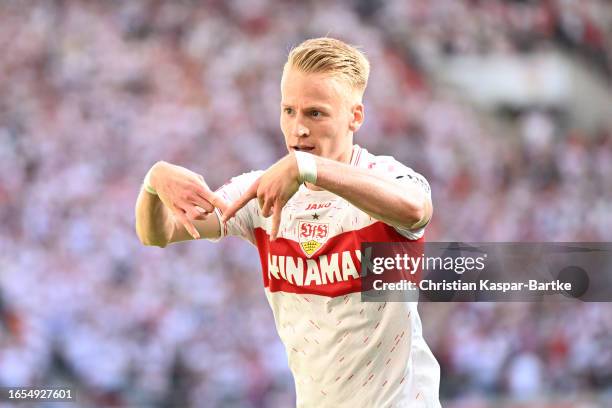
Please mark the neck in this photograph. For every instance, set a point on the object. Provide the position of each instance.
(346, 156)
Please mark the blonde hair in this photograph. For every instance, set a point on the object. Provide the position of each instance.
(328, 55)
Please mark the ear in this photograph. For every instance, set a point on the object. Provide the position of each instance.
(357, 117)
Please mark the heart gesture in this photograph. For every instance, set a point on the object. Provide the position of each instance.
(273, 190)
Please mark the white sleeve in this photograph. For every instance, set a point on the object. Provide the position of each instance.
(392, 169)
(241, 225)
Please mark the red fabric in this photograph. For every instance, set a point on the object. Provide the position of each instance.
(346, 241)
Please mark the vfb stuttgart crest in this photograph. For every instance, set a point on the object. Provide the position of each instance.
(312, 236)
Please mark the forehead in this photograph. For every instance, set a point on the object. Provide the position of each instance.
(302, 87)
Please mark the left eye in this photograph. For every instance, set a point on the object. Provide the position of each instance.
(315, 114)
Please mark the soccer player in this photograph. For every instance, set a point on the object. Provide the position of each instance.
(308, 215)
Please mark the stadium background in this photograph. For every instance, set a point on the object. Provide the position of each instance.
(503, 105)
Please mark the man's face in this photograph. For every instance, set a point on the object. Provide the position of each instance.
(319, 114)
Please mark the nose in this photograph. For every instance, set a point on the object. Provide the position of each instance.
(302, 130)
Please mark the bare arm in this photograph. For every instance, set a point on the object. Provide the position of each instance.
(182, 210)
(403, 205)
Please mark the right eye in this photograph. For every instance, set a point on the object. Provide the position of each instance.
(288, 111)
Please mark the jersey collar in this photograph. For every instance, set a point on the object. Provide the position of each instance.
(356, 155)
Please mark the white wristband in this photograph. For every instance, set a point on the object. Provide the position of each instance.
(307, 166)
(146, 184)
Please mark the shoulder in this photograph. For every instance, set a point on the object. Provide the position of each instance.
(238, 185)
(242, 181)
(248, 177)
(361, 157)
(241, 224)
(388, 166)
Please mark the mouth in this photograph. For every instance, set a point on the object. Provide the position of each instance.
(303, 148)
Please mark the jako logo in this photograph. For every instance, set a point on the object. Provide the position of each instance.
(316, 206)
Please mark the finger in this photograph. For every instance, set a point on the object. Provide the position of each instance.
(218, 202)
(276, 219)
(213, 198)
(201, 198)
(248, 195)
(196, 212)
(191, 229)
(266, 210)
(202, 214)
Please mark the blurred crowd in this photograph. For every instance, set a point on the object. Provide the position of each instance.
(479, 27)
(93, 93)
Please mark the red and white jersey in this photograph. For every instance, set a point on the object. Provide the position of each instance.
(342, 352)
